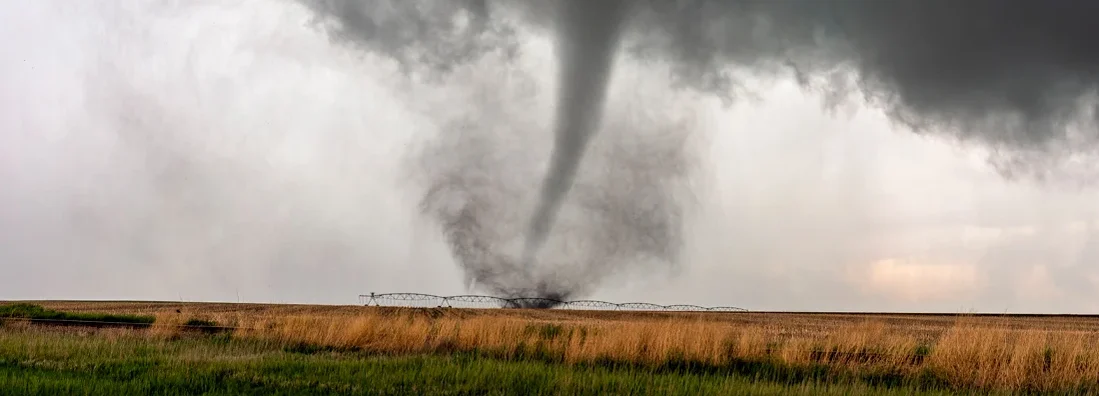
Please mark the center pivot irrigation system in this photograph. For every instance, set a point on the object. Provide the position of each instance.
(419, 300)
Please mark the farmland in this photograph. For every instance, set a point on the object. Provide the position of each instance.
(253, 348)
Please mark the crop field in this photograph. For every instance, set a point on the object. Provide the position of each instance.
(294, 349)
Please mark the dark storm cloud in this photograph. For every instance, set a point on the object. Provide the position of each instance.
(1014, 75)
(421, 35)
(1011, 73)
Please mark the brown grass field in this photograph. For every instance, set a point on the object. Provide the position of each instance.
(1034, 353)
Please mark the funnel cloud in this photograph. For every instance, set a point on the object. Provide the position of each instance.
(587, 40)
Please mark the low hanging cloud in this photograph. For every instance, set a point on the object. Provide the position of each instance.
(1019, 77)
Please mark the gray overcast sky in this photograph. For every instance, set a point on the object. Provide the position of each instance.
(207, 150)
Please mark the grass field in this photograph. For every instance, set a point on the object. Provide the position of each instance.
(249, 348)
(38, 313)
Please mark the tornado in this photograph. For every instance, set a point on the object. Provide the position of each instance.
(1018, 79)
(587, 36)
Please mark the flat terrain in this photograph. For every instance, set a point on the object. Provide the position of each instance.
(926, 327)
(402, 350)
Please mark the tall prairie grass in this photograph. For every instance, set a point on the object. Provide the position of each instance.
(960, 352)
(126, 362)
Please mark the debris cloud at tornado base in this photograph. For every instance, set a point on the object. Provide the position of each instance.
(625, 210)
(1017, 78)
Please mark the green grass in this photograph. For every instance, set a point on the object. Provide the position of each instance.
(35, 312)
(200, 323)
(34, 362)
(205, 326)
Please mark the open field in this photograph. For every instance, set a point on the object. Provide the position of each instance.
(123, 363)
(767, 352)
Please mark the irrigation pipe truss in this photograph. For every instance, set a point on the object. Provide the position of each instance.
(475, 301)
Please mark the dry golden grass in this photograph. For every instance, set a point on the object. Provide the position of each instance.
(1032, 353)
